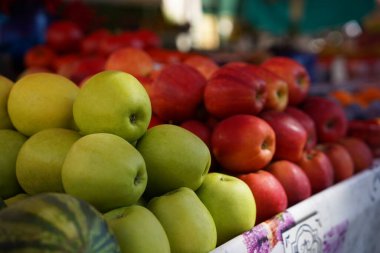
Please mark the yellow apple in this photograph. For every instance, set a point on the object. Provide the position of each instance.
(39, 162)
(11, 142)
(41, 100)
(5, 87)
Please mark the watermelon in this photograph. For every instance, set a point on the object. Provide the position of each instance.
(52, 223)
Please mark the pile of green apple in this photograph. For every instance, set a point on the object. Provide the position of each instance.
(153, 184)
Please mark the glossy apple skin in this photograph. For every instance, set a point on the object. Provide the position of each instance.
(231, 204)
(307, 122)
(233, 90)
(277, 88)
(360, 152)
(329, 118)
(177, 92)
(269, 194)
(294, 180)
(340, 159)
(40, 56)
(318, 169)
(291, 136)
(294, 74)
(243, 143)
(186, 220)
(200, 129)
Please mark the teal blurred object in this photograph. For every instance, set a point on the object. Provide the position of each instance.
(275, 15)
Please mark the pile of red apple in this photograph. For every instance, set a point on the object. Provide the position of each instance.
(261, 125)
(259, 121)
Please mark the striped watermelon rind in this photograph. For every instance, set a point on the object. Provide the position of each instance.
(52, 223)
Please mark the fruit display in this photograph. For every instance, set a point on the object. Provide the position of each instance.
(162, 151)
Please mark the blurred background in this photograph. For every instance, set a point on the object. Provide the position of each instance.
(337, 40)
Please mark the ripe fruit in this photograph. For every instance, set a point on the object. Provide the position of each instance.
(318, 169)
(234, 90)
(40, 56)
(294, 74)
(243, 143)
(277, 88)
(177, 92)
(174, 157)
(113, 102)
(105, 170)
(137, 230)
(64, 36)
(307, 122)
(340, 159)
(329, 118)
(10, 144)
(359, 151)
(55, 221)
(294, 180)
(188, 223)
(5, 88)
(40, 160)
(134, 61)
(291, 136)
(270, 195)
(231, 204)
(42, 100)
(205, 65)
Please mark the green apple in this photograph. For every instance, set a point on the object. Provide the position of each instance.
(174, 157)
(186, 220)
(39, 162)
(231, 204)
(113, 102)
(137, 230)
(42, 100)
(11, 142)
(105, 170)
(5, 87)
(15, 198)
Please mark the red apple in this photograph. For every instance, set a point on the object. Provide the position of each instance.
(329, 118)
(149, 38)
(205, 65)
(243, 143)
(90, 43)
(293, 73)
(198, 128)
(291, 136)
(134, 61)
(360, 152)
(294, 180)
(64, 36)
(177, 92)
(40, 56)
(318, 169)
(340, 159)
(64, 62)
(307, 122)
(277, 88)
(87, 67)
(233, 90)
(269, 194)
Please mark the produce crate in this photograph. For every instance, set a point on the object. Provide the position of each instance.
(342, 218)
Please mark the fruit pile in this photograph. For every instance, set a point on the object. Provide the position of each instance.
(162, 156)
